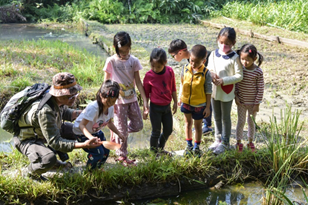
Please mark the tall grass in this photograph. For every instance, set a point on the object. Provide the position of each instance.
(288, 14)
(23, 63)
(287, 154)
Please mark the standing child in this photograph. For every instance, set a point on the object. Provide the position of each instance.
(124, 68)
(178, 50)
(226, 70)
(160, 87)
(94, 117)
(248, 93)
(195, 97)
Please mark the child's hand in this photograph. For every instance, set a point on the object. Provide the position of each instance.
(175, 107)
(92, 143)
(145, 115)
(179, 103)
(218, 82)
(206, 112)
(237, 101)
(256, 108)
(121, 136)
(214, 76)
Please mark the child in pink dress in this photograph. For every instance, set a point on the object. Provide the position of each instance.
(124, 68)
(248, 93)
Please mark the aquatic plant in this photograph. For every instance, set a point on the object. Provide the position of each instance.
(285, 147)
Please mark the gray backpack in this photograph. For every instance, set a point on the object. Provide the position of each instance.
(18, 104)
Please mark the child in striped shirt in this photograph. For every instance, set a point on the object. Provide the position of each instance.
(248, 93)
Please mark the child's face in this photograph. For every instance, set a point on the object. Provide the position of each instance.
(157, 67)
(196, 62)
(225, 44)
(124, 52)
(178, 55)
(246, 60)
(109, 101)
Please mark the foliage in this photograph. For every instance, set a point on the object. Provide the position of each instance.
(290, 14)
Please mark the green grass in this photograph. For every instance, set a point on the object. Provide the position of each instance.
(288, 14)
(24, 63)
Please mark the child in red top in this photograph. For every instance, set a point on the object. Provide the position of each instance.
(160, 87)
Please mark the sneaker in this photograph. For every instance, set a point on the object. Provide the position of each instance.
(37, 177)
(188, 151)
(206, 130)
(220, 149)
(251, 146)
(214, 145)
(239, 147)
(197, 152)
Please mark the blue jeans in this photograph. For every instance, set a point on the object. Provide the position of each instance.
(96, 156)
(222, 116)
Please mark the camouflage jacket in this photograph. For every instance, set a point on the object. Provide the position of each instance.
(46, 123)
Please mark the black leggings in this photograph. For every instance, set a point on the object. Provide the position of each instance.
(160, 114)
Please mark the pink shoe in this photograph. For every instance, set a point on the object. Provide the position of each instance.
(125, 161)
(239, 147)
(251, 146)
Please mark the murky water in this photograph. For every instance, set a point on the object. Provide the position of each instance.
(246, 194)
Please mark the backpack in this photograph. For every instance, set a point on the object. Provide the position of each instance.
(18, 104)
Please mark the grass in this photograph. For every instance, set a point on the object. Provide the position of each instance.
(24, 63)
(290, 14)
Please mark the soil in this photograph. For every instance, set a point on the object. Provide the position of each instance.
(284, 67)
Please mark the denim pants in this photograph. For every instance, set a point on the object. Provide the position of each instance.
(96, 156)
(222, 116)
(160, 115)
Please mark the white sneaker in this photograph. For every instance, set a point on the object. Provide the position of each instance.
(214, 145)
(220, 149)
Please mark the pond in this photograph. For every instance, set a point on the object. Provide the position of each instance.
(246, 194)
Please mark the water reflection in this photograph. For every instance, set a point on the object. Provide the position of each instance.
(246, 194)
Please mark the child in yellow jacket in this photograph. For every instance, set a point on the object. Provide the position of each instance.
(194, 97)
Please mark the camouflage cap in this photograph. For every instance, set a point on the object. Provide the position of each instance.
(64, 84)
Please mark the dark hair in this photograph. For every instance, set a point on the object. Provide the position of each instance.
(122, 38)
(108, 89)
(199, 51)
(158, 55)
(229, 32)
(176, 45)
(252, 51)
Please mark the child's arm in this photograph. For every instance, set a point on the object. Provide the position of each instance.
(82, 127)
(238, 73)
(260, 92)
(112, 127)
(174, 95)
(140, 88)
(107, 76)
(206, 111)
(145, 113)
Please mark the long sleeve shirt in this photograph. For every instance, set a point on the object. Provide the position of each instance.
(229, 69)
(251, 89)
(47, 124)
(160, 87)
